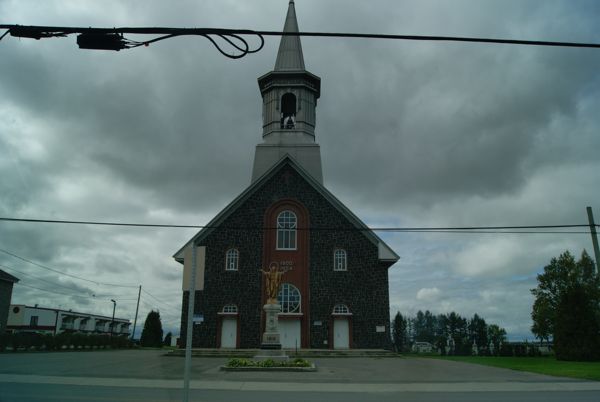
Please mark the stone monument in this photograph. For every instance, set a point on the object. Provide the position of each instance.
(271, 343)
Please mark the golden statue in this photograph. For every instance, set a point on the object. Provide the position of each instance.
(272, 281)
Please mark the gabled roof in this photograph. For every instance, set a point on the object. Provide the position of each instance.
(5, 276)
(385, 252)
(289, 56)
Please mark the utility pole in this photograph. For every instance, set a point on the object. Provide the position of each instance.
(136, 312)
(594, 238)
(112, 322)
(189, 330)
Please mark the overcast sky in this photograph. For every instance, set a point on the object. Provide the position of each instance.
(411, 134)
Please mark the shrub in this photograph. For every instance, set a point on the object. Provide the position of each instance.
(239, 363)
(78, 340)
(4, 341)
(301, 363)
(267, 363)
(49, 342)
(506, 350)
(37, 341)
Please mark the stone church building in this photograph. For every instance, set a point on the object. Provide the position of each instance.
(336, 293)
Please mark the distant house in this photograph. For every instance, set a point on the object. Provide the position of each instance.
(6, 285)
(24, 318)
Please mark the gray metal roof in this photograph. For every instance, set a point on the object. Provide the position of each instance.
(289, 56)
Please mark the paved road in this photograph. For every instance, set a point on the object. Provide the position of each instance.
(149, 376)
(55, 393)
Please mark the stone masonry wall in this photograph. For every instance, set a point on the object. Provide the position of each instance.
(363, 287)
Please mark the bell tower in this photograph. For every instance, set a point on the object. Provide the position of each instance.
(289, 95)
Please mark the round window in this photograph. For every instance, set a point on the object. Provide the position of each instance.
(289, 298)
(16, 310)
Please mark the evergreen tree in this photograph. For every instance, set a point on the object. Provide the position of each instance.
(419, 327)
(478, 332)
(496, 336)
(399, 333)
(167, 341)
(152, 334)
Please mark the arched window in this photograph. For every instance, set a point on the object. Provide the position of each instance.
(230, 309)
(288, 111)
(286, 230)
(341, 309)
(289, 298)
(232, 257)
(339, 260)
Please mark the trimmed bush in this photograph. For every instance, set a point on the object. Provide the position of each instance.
(63, 341)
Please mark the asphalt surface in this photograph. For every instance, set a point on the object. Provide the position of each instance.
(148, 375)
(55, 393)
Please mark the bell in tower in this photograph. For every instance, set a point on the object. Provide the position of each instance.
(288, 111)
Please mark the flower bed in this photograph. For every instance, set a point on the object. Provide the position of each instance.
(297, 364)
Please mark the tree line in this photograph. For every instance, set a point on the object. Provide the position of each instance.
(449, 333)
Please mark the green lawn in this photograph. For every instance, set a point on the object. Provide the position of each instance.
(541, 365)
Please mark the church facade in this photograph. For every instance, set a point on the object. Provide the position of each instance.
(335, 293)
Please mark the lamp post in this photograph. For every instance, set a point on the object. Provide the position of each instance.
(112, 323)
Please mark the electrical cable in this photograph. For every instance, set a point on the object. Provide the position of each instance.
(40, 279)
(488, 229)
(33, 31)
(160, 301)
(64, 273)
(58, 293)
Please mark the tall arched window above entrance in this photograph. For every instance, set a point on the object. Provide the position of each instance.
(286, 230)
(288, 111)
(289, 298)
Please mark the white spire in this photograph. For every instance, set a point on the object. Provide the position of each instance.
(290, 56)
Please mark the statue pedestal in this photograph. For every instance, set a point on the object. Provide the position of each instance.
(271, 344)
(270, 339)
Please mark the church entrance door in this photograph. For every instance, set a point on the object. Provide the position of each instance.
(289, 333)
(341, 336)
(229, 333)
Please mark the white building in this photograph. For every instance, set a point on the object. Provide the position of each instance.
(22, 318)
(422, 347)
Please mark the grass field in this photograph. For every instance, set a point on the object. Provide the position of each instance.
(541, 365)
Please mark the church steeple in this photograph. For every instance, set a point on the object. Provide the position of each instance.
(290, 96)
(290, 55)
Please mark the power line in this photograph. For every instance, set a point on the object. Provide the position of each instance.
(70, 294)
(55, 292)
(488, 229)
(93, 295)
(38, 32)
(64, 273)
(39, 279)
(160, 301)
